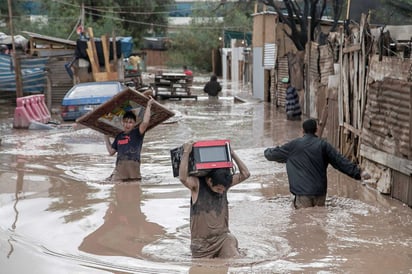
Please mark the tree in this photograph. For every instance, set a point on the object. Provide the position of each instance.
(133, 18)
(141, 17)
(393, 12)
(4, 14)
(193, 45)
(301, 16)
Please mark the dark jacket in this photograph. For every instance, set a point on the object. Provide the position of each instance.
(212, 88)
(307, 159)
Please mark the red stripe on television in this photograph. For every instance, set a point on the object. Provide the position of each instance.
(210, 143)
(214, 165)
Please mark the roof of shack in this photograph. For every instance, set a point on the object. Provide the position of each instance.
(49, 38)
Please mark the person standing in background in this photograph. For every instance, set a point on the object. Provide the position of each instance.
(189, 79)
(213, 87)
(187, 71)
(293, 110)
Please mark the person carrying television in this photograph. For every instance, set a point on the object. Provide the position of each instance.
(209, 213)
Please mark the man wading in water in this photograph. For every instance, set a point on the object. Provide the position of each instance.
(209, 213)
(307, 159)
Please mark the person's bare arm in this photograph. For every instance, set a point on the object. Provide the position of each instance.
(191, 182)
(146, 117)
(109, 145)
(243, 170)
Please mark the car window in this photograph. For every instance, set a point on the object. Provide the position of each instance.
(95, 90)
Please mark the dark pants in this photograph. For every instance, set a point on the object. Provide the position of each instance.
(302, 201)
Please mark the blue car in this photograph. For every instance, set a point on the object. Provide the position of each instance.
(84, 97)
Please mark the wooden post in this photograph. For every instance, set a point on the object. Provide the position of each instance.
(307, 71)
(49, 98)
(92, 53)
(17, 70)
(410, 123)
(114, 50)
(348, 10)
(213, 61)
(362, 85)
(106, 52)
(264, 37)
(340, 89)
(82, 16)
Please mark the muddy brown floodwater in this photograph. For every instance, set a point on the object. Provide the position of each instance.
(57, 216)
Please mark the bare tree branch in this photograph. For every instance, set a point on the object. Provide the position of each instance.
(299, 19)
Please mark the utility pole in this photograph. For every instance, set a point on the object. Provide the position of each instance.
(16, 61)
(82, 16)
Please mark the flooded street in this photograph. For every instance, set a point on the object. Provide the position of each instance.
(57, 214)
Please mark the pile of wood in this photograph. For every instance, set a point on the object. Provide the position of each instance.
(109, 72)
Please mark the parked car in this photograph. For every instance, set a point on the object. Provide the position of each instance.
(84, 97)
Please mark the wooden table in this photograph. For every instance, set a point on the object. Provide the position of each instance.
(173, 85)
(134, 78)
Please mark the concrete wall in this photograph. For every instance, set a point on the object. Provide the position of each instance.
(258, 86)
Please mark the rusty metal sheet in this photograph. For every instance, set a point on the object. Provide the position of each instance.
(387, 117)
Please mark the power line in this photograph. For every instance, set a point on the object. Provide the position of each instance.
(113, 9)
(114, 18)
(153, 24)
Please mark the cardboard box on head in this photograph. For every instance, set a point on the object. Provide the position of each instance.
(205, 156)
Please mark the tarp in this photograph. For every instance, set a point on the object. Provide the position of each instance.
(81, 50)
(124, 46)
(20, 41)
(229, 35)
(155, 43)
(127, 46)
(33, 73)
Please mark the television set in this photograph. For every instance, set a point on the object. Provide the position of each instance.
(205, 156)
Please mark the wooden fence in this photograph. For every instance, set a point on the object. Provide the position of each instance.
(363, 101)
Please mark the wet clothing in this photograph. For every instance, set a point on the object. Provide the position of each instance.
(307, 159)
(126, 170)
(212, 88)
(128, 147)
(209, 224)
(302, 201)
(293, 110)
